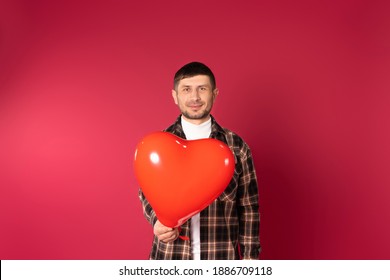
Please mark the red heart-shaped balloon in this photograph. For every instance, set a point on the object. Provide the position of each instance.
(179, 177)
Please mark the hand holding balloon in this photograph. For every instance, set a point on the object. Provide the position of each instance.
(165, 234)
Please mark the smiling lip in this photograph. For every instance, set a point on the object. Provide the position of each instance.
(195, 106)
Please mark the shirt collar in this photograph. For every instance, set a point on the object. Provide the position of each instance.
(216, 129)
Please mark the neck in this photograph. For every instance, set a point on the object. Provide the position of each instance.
(197, 121)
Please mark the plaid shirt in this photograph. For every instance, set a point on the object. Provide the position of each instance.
(229, 226)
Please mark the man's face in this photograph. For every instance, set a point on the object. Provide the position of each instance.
(195, 98)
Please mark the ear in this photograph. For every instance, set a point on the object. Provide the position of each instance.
(174, 95)
(215, 92)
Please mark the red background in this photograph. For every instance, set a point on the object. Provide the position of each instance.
(306, 84)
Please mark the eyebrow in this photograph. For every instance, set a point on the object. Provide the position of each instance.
(204, 85)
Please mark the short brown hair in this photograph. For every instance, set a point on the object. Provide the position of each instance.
(193, 69)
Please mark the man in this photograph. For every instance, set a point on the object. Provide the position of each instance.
(229, 227)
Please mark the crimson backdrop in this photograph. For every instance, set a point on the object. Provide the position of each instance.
(306, 84)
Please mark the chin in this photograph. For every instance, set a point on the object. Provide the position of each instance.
(195, 116)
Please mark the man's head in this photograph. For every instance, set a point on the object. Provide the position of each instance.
(195, 91)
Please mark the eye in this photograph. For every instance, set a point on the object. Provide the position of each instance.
(203, 88)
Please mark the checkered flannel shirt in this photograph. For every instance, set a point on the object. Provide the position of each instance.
(229, 226)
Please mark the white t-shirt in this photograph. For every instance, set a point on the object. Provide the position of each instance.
(194, 132)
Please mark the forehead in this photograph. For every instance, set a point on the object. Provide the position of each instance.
(197, 80)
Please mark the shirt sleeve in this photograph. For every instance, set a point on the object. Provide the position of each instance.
(147, 209)
(248, 208)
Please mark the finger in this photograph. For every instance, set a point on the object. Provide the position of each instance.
(166, 236)
(159, 228)
(162, 230)
(171, 239)
(169, 236)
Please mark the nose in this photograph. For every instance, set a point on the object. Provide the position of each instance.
(195, 94)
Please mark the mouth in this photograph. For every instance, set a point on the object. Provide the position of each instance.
(195, 106)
